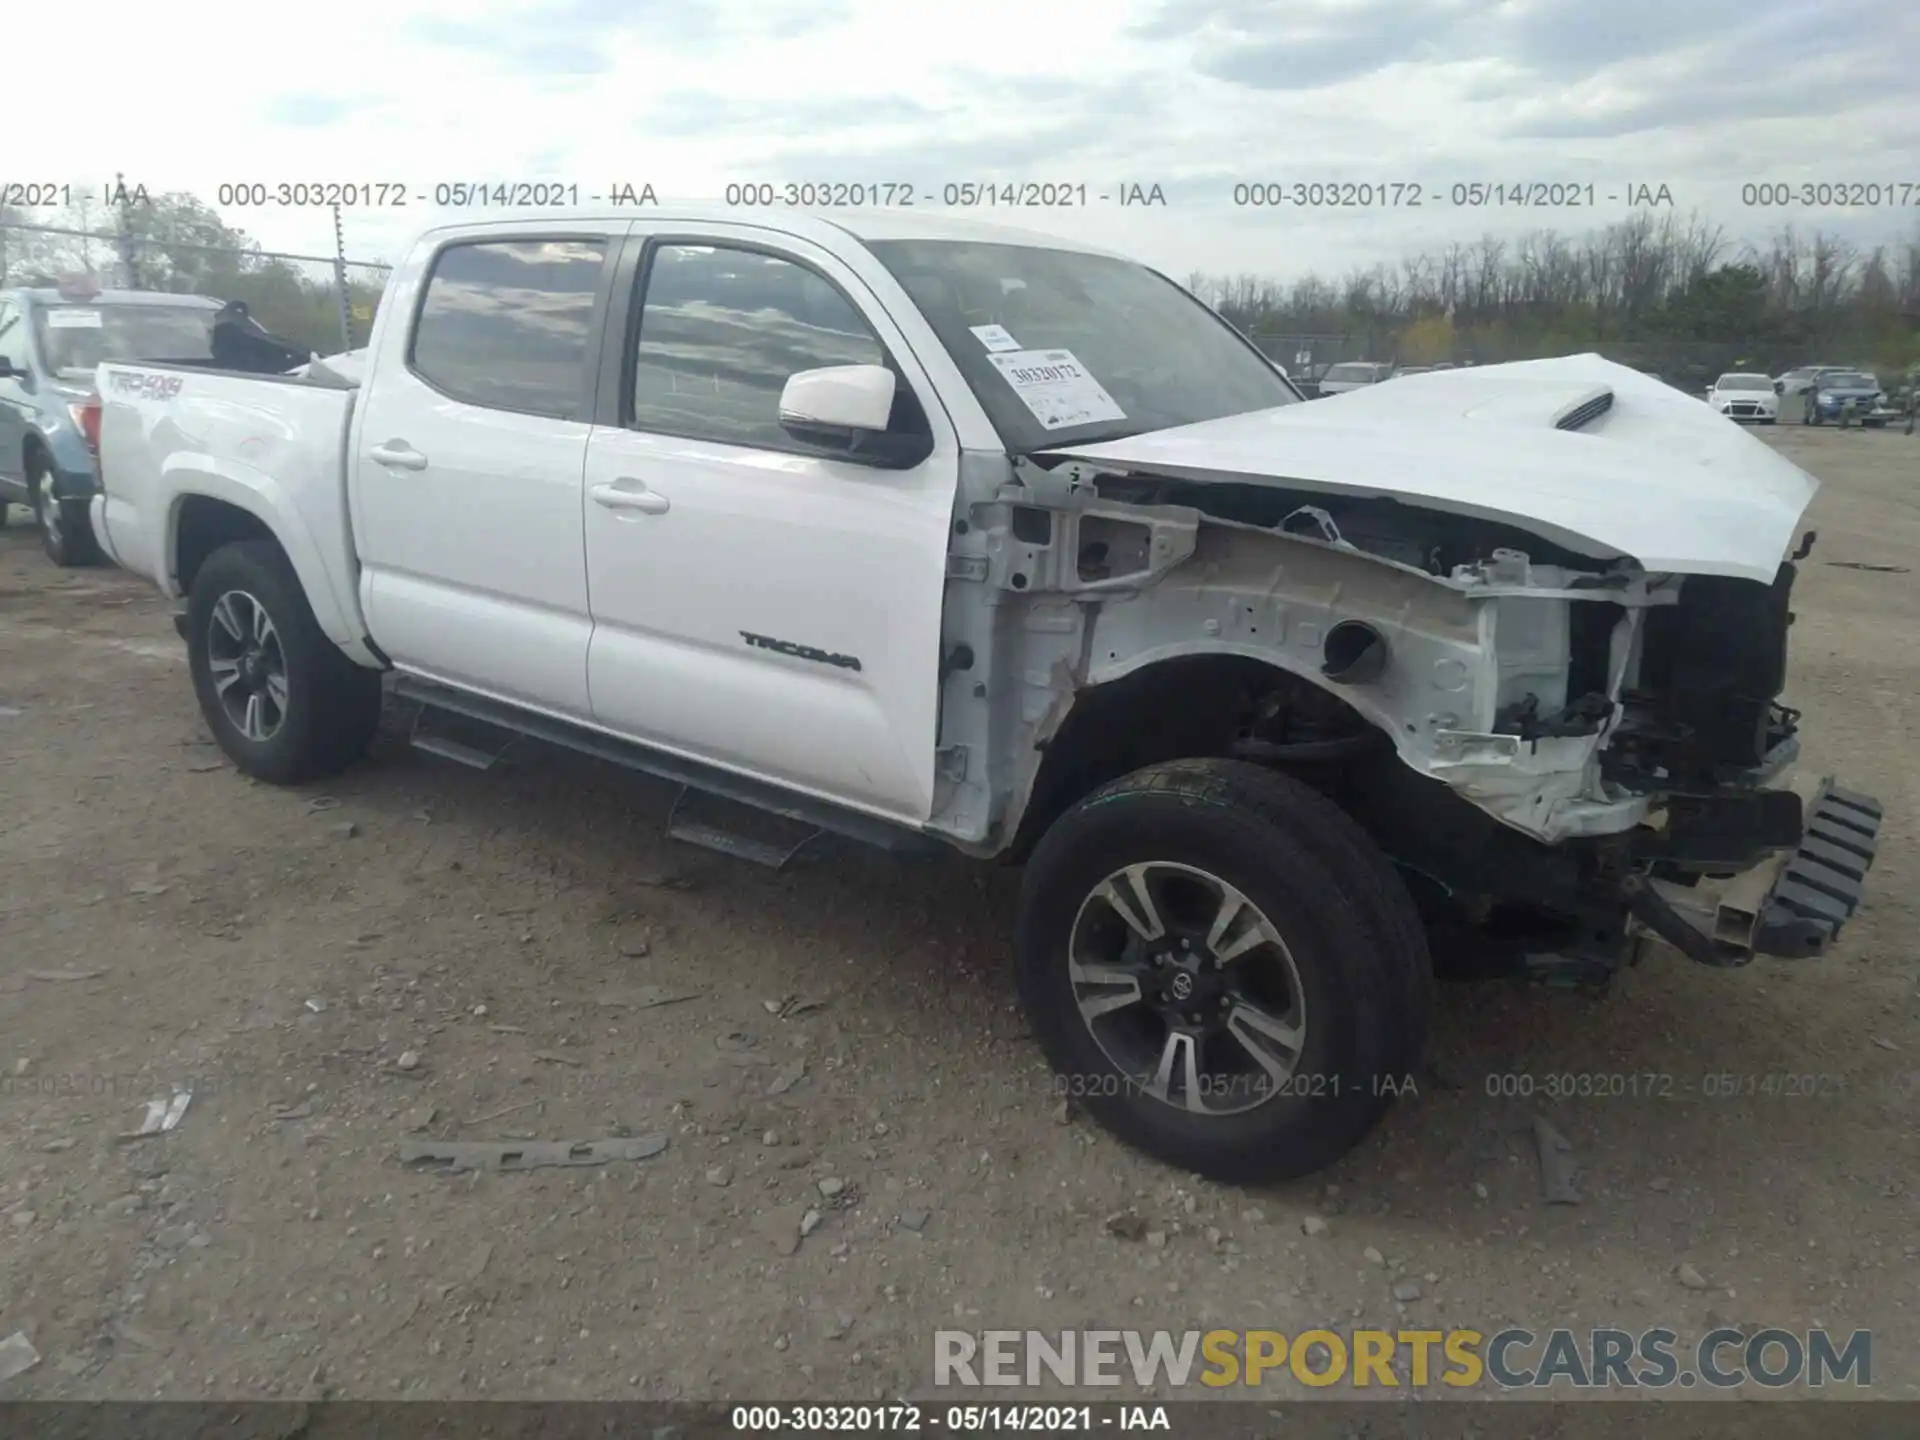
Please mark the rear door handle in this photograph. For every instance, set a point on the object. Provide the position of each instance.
(631, 495)
(398, 455)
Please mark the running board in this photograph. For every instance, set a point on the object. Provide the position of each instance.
(459, 749)
(453, 750)
(745, 832)
(812, 816)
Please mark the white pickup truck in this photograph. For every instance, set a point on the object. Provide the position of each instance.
(916, 530)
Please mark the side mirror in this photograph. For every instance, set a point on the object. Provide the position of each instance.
(838, 403)
(847, 408)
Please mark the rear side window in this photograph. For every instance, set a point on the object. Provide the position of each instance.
(509, 324)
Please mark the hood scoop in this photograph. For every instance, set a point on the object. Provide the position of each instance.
(1563, 406)
(1584, 412)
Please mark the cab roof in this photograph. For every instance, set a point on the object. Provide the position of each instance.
(820, 226)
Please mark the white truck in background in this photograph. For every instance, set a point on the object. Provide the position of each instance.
(919, 531)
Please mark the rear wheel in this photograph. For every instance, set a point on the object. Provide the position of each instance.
(1223, 970)
(66, 531)
(285, 704)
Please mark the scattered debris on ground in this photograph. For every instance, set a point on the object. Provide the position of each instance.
(163, 1114)
(527, 1155)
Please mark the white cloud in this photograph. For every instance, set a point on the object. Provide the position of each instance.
(1191, 94)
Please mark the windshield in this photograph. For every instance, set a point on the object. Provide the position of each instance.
(76, 338)
(1065, 347)
(1848, 380)
(1351, 372)
(1743, 382)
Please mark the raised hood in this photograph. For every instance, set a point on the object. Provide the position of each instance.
(1585, 453)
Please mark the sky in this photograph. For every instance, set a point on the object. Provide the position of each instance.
(1219, 103)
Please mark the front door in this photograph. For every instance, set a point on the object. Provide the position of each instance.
(761, 603)
(468, 462)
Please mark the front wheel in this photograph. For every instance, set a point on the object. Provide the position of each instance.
(1223, 970)
(282, 700)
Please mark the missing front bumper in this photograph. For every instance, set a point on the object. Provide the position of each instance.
(1793, 907)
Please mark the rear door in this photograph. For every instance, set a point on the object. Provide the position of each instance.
(759, 603)
(468, 458)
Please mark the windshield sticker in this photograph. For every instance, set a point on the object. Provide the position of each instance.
(68, 318)
(994, 337)
(1054, 386)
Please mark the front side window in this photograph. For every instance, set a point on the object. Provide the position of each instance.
(509, 324)
(1062, 346)
(721, 331)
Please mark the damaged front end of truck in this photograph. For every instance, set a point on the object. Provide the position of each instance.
(1528, 625)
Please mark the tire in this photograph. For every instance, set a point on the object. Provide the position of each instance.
(1351, 969)
(317, 710)
(66, 529)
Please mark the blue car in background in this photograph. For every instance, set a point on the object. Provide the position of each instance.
(50, 342)
(1832, 392)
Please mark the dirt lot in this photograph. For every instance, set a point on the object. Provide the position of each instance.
(420, 948)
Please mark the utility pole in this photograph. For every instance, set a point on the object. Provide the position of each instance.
(340, 281)
(129, 276)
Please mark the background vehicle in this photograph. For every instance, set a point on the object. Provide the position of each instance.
(1798, 380)
(1855, 393)
(1745, 397)
(919, 531)
(51, 341)
(1353, 375)
(1414, 370)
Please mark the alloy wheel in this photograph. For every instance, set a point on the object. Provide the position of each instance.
(1187, 988)
(248, 665)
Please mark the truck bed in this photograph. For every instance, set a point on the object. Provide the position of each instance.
(274, 446)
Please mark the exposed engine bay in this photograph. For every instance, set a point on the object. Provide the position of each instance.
(1557, 749)
(1697, 700)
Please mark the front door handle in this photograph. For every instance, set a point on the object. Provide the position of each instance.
(631, 495)
(398, 455)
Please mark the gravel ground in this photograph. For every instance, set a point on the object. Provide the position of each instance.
(419, 950)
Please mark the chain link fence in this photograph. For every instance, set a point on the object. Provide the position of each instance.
(320, 303)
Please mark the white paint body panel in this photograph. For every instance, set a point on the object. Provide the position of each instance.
(274, 450)
(1660, 477)
(842, 558)
(473, 570)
